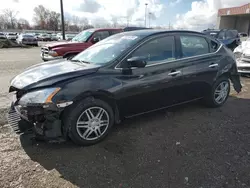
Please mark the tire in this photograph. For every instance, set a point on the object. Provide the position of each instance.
(77, 113)
(210, 99)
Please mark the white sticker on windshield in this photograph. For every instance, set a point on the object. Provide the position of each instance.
(130, 37)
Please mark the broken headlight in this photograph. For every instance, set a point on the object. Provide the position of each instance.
(43, 96)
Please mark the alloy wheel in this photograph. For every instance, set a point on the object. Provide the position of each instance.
(221, 92)
(92, 123)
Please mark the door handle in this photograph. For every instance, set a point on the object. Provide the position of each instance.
(213, 65)
(174, 73)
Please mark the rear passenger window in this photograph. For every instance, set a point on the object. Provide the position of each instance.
(193, 46)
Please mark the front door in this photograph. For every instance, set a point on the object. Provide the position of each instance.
(155, 86)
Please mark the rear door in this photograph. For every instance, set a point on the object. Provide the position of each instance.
(200, 64)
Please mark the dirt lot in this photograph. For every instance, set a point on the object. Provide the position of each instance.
(188, 146)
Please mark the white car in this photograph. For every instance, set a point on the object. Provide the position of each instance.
(11, 36)
(242, 55)
(2, 36)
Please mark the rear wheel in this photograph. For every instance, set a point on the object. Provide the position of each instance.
(219, 93)
(89, 121)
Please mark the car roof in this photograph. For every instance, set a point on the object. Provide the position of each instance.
(103, 29)
(148, 32)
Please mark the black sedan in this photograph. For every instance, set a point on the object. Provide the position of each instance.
(125, 75)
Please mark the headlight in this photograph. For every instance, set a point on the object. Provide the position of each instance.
(39, 97)
(53, 53)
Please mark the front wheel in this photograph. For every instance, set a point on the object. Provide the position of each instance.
(219, 93)
(89, 121)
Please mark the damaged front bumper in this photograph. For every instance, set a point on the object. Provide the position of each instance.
(243, 66)
(43, 119)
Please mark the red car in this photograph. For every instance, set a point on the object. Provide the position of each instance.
(79, 43)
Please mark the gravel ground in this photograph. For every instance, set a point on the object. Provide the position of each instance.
(187, 146)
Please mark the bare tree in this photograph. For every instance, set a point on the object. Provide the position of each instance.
(23, 24)
(75, 20)
(41, 16)
(9, 16)
(2, 22)
(114, 21)
(53, 20)
(83, 23)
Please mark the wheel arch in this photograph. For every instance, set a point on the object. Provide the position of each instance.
(101, 95)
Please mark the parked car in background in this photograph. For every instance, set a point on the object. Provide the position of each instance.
(53, 37)
(125, 75)
(79, 43)
(27, 39)
(243, 36)
(2, 36)
(229, 37)
(212, 32)
(242, 55)
(44, 37)
(11, 36)
(69, 37)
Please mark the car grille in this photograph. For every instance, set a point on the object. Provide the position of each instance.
(45, 50)
(13, 120)
(246, 60)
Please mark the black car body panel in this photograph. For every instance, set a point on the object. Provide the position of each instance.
(132, 91)
(49, 73)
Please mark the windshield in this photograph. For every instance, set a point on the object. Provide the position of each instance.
(108, 49)
(83, 36)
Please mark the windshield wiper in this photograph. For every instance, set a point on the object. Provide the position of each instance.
(77, 60)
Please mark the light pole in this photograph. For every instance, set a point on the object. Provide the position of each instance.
(146, 4)
(62, 20)
(149, 17)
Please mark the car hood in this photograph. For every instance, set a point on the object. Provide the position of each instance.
(48, 73)
(244, 48)
(65, 44)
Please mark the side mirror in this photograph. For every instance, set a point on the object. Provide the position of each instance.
(95, 40)
(139, 62)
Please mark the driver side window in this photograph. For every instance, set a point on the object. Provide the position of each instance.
(157, 50)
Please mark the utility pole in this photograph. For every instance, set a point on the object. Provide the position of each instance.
(149, 17)
(146, 4)
(62, 20)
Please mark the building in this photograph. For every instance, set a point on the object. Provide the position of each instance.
(235, 18)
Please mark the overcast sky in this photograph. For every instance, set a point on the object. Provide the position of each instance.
(188, 14)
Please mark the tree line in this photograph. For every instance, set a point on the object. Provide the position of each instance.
(44, 19)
